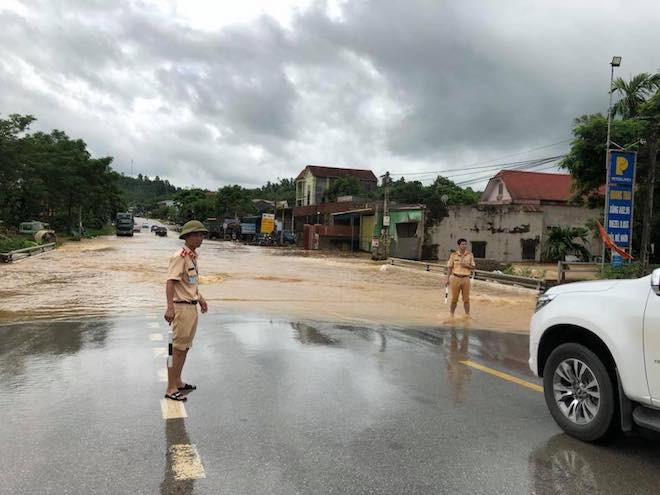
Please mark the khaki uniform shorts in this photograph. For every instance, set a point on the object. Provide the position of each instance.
(460, 285)
(184, 326)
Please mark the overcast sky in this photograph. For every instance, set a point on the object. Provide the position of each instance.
(208, 93)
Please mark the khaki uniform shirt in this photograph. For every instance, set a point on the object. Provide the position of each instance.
(183, 269)
(461, 265)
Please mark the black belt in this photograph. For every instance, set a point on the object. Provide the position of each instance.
(185, 302)
(460, 276)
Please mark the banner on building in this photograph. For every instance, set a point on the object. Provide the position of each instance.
(620, 200)
(267, 223)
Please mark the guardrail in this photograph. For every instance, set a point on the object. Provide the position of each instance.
(11, 256)
(575, 267)
(502, 278)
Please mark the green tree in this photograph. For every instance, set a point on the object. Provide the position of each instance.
(234, 202)
(650, 113)
(52, 177)
(194, 204)
(563, 241)
(343, 186)
(634, 93)
(586, 159)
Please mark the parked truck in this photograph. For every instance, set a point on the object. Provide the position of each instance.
(214, 226)
(124, 224)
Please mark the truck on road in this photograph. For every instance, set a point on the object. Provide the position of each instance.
(124, 224)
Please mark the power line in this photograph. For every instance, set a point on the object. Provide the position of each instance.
(528, 164)
(488, 161)
(538, 168)
(447, 173)
(535, 167)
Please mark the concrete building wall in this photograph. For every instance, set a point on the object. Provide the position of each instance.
(510, 232)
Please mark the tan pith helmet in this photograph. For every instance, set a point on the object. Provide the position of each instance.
(190, 227)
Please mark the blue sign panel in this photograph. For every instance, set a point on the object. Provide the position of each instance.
(620, 196)
(622, 167)
(619, 215)
(248, 228)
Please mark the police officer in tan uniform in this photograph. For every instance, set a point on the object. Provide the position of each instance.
(459, 269)
(183, 296)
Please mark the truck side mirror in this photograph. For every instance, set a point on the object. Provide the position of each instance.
(655, 281)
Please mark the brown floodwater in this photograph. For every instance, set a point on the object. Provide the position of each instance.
(119, 275)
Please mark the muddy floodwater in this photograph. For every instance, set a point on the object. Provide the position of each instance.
(119, 275)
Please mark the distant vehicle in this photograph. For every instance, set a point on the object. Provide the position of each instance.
(39, 231)
(124, 224)
(136, 228)
(145, 225)
(214, 226)
(154, 227)
(289, 237)
(597, 347)
(31, 228)
(161, 231)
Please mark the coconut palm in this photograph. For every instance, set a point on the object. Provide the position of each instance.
(634, 93)
(563, 241)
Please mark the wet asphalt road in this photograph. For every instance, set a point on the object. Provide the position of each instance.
(289, 408)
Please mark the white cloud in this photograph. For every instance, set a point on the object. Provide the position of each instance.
(210, 93)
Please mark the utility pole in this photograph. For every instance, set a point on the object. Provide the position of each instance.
(648, 211)
(386, 214)
(616, 62)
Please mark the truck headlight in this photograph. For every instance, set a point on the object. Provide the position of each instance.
(544, 300)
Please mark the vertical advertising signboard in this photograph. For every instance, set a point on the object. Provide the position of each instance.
(620, 200)
(267, 223)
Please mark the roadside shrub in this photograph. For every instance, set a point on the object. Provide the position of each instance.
(13, 243)
(627, 270)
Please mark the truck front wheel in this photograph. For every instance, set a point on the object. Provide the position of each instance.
(579, 392)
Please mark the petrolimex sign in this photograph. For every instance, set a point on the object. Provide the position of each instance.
(622, 167)
(620, 199)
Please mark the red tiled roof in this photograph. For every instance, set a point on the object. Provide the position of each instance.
(538, 186)
(321, 171)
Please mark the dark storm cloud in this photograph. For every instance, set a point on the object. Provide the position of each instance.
(387, 85)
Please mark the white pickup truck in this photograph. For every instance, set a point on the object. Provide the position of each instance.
(597, 347)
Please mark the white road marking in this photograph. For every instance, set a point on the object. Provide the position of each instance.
(162, 375)
(172, 409)
(155, 337)
(154, 325)
(186, 463)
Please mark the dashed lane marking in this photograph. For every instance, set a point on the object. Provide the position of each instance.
(172, 409)
(159, 351)
(162, 375)
(154, 325)
(186, 463)
(156, 337)
(503, 376)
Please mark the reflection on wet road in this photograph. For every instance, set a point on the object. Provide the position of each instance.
(289, 407)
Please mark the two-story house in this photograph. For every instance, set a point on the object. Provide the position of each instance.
(314, 181)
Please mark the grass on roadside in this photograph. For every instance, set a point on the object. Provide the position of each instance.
(8, 244)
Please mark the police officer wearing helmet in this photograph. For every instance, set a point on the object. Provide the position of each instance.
(183, 296)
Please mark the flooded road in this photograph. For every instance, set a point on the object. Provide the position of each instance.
(119, 276)
(288, 406)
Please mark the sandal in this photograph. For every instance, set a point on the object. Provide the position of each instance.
(187, 386)
(176, 396)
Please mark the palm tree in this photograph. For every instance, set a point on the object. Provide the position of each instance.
(563, 241)
(640, 100)
(634, 93)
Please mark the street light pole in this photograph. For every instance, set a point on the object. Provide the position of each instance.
(616, 62)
